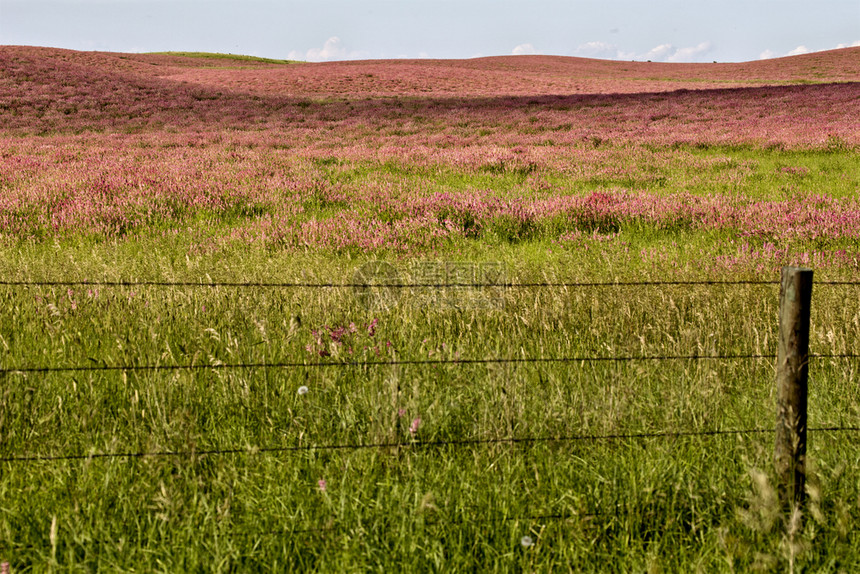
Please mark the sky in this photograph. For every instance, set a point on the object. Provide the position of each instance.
(321, 30)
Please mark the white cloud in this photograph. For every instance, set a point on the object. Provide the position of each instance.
(333, 49)
(524, 50)
(669, 53)
(661, 53)
(690, 54)
(597, 50)
(602, 50)
(767, 54)
(405, 56)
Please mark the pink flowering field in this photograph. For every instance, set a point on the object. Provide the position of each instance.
(424, 157)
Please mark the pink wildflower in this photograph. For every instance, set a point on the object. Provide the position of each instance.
(371, 328)
(413, 428)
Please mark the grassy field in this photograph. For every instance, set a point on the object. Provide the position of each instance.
(677, 502)
(220, 56)
(213, 427)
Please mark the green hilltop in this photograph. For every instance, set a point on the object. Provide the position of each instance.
(218, 56)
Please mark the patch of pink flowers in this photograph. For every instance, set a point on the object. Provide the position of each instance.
(350, 338)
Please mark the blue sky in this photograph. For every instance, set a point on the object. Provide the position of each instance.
(317, 30)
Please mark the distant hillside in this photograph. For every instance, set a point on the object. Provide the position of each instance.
(49, 90)
(501, 75)
(523, 75)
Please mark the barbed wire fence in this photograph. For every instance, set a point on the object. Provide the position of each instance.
(413, 444)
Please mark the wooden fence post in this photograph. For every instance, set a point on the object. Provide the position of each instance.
(792, 369)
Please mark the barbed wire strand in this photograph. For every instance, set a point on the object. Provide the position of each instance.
(327, 285)
(387, 363)
(250, 450)
(413, 362)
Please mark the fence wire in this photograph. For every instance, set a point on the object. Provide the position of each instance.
(385, 363)
(417, 444)
(408, 362)
(357, 285)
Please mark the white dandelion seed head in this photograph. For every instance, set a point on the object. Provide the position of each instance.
(527, 541)
(303, 390)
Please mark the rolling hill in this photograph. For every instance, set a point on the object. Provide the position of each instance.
(47, 90)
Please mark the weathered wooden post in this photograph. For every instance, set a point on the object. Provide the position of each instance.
(792, 369)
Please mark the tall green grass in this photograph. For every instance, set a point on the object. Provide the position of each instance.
(673, 503)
